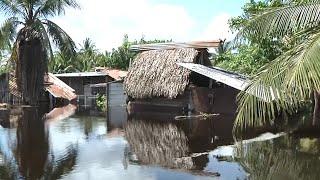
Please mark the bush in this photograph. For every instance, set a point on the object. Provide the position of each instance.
(101, 102)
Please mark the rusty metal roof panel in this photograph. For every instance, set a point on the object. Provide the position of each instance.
(174, 45)
(116, 74)
(59, 89)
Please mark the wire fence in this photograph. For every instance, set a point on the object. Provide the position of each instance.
(87, 101)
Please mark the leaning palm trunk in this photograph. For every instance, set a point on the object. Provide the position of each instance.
(31, 65)
(32, 47)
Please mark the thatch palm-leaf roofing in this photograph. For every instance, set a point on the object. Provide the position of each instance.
(155, 73)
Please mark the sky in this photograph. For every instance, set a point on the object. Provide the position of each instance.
(107, 21)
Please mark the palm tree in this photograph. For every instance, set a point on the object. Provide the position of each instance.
(291, 79)
(62, 63)
(32, 46)
(86, 59)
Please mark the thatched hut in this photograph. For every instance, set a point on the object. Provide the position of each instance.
(160, 77)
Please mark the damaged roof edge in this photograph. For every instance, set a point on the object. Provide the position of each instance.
(231, 79)
(175, 45)
(59, 89)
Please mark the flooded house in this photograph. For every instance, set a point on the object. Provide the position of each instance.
(179, 78)
(103, 81)
(81, 82)
(55, 90)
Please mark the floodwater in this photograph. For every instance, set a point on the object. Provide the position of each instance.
(64, 144)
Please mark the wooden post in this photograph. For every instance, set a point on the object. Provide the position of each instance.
(107, 97)
(316, 110)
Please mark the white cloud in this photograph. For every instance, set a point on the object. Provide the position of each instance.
(218, 28)
(106, 21)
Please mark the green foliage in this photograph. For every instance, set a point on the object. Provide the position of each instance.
(248, 57)
(31, 45)
(288, 81)
(120, 58)
(101, 102)
(88, 57)
(33, 15)
(248, 60)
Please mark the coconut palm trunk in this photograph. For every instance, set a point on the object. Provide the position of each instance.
(31, 66)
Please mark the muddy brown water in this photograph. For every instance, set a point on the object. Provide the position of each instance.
(65, 144)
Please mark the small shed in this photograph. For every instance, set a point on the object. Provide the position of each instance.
(103, 81)
(158, 80)
(81, 83)
(116, 97)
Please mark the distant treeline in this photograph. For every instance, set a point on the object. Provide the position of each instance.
(88, 57)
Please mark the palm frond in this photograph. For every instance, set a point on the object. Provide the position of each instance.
(8, 32)
(282, 85)
(61, 38)
(55, 7)
(278, 22)
(45, 40)
(10, 7)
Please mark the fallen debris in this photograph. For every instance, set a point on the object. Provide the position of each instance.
(201, 116)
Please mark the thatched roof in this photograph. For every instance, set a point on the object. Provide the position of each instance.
(155, 73)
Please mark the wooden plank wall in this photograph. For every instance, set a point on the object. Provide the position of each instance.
(4, 89)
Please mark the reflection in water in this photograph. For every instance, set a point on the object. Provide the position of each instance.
(32, 144)
(286, 157)
(182, 145)
(28, 155)
(51, 146)
(157, 143)
(60, 113)
(63, 165)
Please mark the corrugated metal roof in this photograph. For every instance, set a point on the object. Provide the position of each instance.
(174, 45)
(231, 79)
(58, 88)
(81, 74)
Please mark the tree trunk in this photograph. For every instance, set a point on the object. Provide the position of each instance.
(316, 110)
(31, 65)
